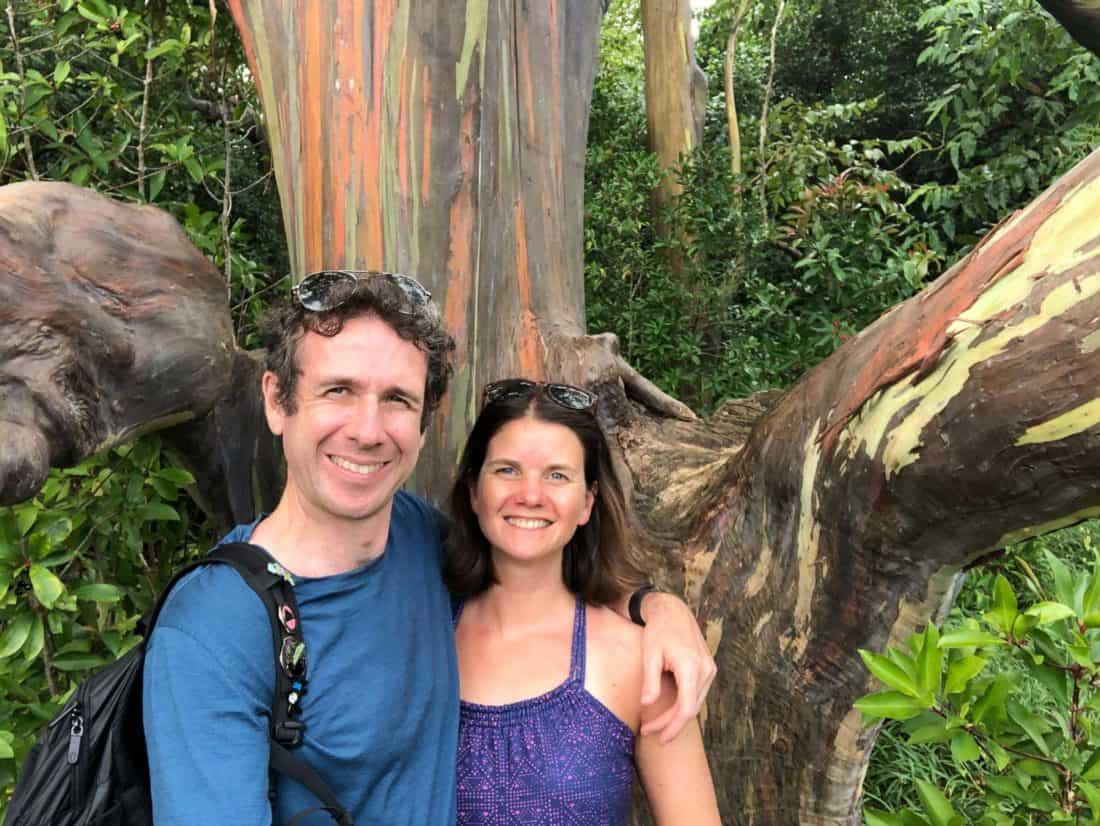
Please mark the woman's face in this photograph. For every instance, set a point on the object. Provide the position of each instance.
(531, 493)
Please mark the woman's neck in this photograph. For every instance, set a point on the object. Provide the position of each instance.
(525, 597)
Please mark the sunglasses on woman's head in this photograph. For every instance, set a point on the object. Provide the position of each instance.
(565, 395)
(326, 290)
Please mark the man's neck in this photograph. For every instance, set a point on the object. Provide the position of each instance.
(309, 545)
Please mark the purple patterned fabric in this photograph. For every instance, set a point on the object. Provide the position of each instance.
(561, 759)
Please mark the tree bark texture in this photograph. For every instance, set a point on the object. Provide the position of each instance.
(450, 145)
(675, 100)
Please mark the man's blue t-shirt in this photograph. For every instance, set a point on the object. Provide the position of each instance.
(381, 711)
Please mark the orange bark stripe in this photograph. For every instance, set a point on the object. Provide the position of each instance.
(312, 57)
(529, 345)
(403, 130)
(460, 261)
(426, 148)
(936, 309)
(372, 238)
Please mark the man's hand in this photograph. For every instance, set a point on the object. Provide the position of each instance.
(672, 642)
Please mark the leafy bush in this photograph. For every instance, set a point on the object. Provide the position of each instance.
(79, 565)
(1013, 697)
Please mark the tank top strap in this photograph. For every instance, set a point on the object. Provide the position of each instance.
(576, 666)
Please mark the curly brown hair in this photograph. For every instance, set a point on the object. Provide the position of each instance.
(284, 324)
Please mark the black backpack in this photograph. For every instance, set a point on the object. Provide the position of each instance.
(90, 767)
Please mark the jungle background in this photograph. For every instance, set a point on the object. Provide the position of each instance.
(880, 139)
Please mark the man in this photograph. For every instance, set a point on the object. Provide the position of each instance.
(355, 368)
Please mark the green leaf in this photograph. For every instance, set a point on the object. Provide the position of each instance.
(962, 671)
(99, 592)
(61, 71)
(194, 169)
(25, 518)
(154, 511)
(6, 751)
(991, 703)
(964, 747)
(936, 806)
(1091, 770)
(970, 638)
(1048, 612)
(891, 704)
(889, 673)
(1092, 795)
(15, 634)
(930, 733)
(1033, 725)
(170, 45)
(930, 662)
(1065, 586)
(156, 184)
(1003, 613)
(176, 475)
(35, 640)
(78, 662)
(47, 587)
(1005, 786)
(1001, 757)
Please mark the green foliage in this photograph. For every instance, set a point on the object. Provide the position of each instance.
(79, 564)
(1004, 704)
(147, 102)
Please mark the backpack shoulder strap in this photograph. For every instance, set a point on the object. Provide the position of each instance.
(274, 586)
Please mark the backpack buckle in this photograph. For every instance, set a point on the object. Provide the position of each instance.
(289, 733)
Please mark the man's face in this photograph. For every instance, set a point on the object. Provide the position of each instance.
(355, 435)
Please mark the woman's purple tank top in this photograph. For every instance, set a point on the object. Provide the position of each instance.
(561, 758)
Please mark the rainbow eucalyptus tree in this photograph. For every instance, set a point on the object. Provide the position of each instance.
(447, 140)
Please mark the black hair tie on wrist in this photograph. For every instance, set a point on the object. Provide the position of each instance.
(636, 603)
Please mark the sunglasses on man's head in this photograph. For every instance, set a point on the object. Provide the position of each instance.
(565, 395)
(326, 290)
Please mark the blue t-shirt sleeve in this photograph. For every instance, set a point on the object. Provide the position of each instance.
(207, 692)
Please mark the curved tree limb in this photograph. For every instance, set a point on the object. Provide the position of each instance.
(965, 419)
(111, 324)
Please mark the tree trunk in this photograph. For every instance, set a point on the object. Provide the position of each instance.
(448, 142)
(675, 101)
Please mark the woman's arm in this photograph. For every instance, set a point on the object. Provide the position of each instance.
(675, 775)
(671, 644)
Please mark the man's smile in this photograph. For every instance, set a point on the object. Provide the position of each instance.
(355, 467)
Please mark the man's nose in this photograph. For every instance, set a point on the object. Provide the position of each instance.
(366, 426)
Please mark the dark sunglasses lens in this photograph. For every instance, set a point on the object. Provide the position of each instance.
(412, 288)
(571, 397)
(326, 290)
(510, 389)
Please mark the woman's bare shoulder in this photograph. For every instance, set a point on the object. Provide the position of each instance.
(614, 672)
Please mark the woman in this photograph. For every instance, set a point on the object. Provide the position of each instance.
(550, 676)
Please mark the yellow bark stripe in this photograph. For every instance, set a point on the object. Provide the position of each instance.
(1061, 243)
(1062, 427)
(809, 533)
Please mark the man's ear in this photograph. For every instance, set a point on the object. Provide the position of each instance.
(273, 411)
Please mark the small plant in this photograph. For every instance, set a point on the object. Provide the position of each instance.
(1023, 757)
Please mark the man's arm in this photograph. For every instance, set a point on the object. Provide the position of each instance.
(672, 642)
(204, 701)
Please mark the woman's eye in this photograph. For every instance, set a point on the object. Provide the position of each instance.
(399, 400)
(336, 391)
(505, 471)
(558, 476)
